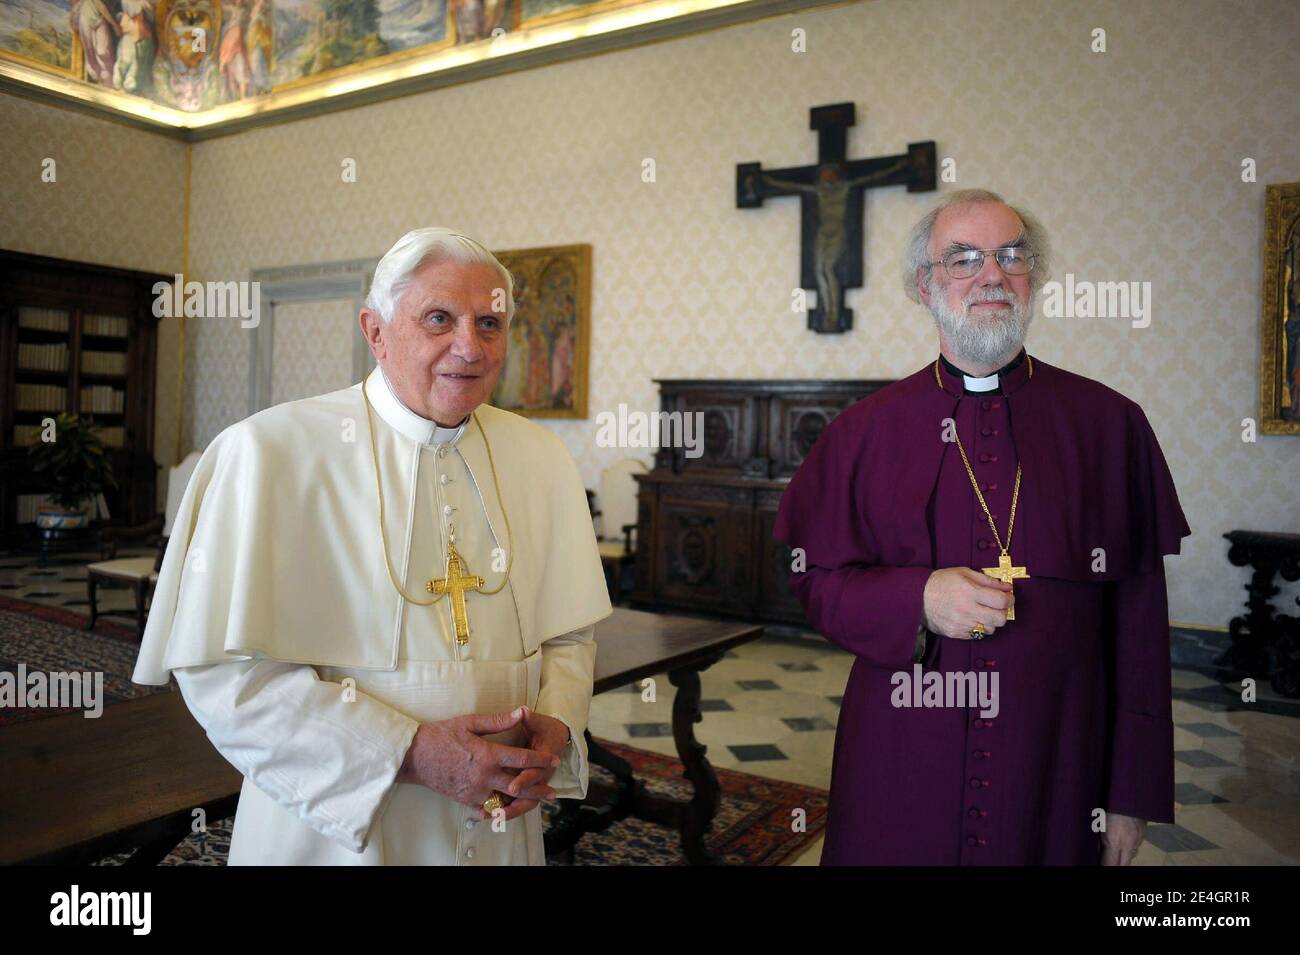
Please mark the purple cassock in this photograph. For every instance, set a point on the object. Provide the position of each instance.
(1083, 719)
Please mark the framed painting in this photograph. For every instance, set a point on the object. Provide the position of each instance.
(1279, 371)
(545, 375)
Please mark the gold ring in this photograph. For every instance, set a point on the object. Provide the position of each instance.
(494, 802)
(978, 632)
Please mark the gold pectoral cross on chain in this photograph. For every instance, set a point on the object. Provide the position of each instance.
(456, 583)
(1006, 573)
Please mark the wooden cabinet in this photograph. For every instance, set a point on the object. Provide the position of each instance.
(704, 521)
(81, 339)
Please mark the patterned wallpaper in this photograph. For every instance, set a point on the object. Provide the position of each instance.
(312, 348)
(117, 198)
(1131, 157)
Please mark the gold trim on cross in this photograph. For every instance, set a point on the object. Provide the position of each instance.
(457, 584)
(1006, 573)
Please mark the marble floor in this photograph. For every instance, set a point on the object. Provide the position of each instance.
(770, 709)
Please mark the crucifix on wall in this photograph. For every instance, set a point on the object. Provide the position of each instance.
(830, 195)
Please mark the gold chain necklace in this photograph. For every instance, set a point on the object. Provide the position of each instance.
(1005, 571)
(383, 538)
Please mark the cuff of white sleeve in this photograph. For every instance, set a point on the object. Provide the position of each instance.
(354, 834)
(570, 778)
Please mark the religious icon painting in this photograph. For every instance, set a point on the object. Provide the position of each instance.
(1279, 373)
(545, 374)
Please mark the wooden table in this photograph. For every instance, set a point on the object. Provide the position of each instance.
(633, 645)
(77, 789)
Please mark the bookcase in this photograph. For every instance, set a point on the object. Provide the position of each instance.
(81, 339)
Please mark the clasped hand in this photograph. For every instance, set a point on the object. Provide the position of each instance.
(451, 757)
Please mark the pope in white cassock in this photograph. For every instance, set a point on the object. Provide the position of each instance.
(379, 602)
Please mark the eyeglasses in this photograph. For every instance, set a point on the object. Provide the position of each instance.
(964, 263)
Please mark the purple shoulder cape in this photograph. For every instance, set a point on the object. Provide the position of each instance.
(1095, 481)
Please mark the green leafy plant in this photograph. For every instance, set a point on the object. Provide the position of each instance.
(74, 462)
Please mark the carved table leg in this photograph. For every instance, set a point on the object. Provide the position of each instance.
(605, 805)
(697, 816)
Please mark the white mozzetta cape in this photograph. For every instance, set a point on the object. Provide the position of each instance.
(275, 551)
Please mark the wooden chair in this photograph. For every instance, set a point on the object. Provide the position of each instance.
(139, 574)
(617, 512)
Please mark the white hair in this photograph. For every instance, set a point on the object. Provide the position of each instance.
(394, 271)
(917, 255)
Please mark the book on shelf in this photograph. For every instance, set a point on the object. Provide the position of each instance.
(42, 357)
(103, 362)
(103, 398)
(108, 326)
(45, 319)
(51, 398)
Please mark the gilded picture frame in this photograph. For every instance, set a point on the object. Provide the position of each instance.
(1279, 370)
(545, 373)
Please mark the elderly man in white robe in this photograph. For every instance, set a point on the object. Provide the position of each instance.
(379, 602)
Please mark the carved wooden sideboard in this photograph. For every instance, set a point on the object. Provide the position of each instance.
(704, 524)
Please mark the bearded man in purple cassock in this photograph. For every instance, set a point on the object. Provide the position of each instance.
(987, 536)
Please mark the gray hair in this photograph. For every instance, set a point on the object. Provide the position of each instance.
(394, 271)
(917, 255)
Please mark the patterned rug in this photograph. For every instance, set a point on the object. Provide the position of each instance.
(50, 639)
(752, 827)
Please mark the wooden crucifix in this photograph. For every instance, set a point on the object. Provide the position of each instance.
(830, 195)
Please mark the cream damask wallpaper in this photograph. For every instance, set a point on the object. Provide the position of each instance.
(312, 348)
(1132, 157)
(112, 195)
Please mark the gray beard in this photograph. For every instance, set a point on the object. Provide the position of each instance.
(982, 342)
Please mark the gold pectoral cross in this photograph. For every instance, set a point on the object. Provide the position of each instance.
(456, 584)
(1006, 573)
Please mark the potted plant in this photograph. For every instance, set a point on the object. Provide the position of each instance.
(77, 467)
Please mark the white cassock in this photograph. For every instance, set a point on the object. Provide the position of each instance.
(310, 673)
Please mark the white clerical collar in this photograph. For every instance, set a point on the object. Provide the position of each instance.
(394, 411)
(989, 383)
